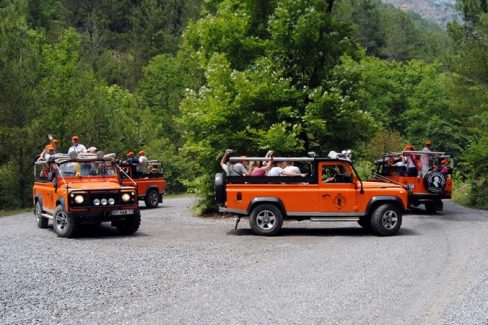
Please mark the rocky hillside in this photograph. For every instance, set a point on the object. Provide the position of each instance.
(439, 11)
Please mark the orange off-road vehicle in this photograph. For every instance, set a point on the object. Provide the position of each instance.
(330, 190)
(72, 190)
(429, 189)
(148, 179)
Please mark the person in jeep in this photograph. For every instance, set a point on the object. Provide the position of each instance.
(77, 146)
(235, 168)
(131, 159)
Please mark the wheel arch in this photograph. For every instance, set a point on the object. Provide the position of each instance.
(153, 187)
(378, 200)
(60, 201)
(38, 198)
(266, 200)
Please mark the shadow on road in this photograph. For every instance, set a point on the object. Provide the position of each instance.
(321, 232)
(101, 232)
(160, 206)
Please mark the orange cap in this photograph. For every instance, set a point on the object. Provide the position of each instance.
(75, 138)
(130, 154)
(49, 147)
(428, 143)
(443, 161)
(141, 153)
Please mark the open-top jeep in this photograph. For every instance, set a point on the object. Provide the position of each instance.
(429, 189)
(83, 189)
(330, 190)
(148, 179)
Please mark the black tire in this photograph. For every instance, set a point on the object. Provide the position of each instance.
(42, 222)
(386, 220)
(152, 199)
(219, 188)
(266, 220)
(129, 225)
(64, 225)
(433, 206)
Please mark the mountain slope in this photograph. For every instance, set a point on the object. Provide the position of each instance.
(439, 11)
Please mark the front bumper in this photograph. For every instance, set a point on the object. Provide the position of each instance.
(100, 216)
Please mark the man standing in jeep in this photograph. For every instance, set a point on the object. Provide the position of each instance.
(425, 157)
(77, 146)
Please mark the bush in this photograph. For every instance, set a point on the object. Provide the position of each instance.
(10, 191)
(365, 169)
(477, 157)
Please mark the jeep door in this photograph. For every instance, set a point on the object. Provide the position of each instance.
(44, 188)
(337, 190)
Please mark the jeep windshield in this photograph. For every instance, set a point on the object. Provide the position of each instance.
(85, 164)
(87, 168)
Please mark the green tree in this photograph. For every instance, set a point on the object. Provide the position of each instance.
(368, 31)
(20, 54)
(470, 90)
(286, 96)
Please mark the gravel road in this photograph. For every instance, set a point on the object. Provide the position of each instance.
(183, 269)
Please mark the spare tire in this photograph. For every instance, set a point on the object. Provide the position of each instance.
(435, 182)
(219, 188)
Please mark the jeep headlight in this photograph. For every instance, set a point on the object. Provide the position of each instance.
(111, 201)
(96, 202)
(103, 201)
(79, 199)
(125, 197)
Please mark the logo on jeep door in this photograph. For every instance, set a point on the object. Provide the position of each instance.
(339, 201)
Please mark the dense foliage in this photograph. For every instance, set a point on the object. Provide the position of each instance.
(184, 80)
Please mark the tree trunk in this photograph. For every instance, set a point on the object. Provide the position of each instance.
(330, 5)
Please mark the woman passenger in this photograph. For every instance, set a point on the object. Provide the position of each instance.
(260, 168)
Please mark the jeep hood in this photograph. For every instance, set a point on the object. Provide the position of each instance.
(94, 186)
(370, 184)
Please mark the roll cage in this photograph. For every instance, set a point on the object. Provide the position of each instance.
(311, 176)
(384, 170)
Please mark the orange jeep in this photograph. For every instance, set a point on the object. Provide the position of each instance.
(83, 189)
(330, 190)
(429, 189)
(148, 179)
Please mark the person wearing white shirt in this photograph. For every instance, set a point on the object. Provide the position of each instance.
(291, 170)
(276, 170)
(77, 146)
(425, 157)
(142, 167)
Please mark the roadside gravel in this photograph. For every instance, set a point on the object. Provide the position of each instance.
(182, 269)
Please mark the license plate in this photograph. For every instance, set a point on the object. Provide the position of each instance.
(122, 212)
